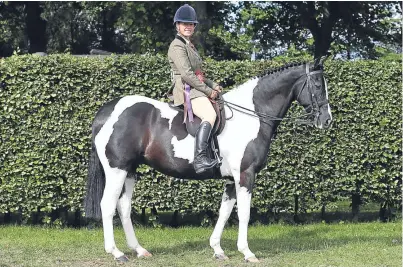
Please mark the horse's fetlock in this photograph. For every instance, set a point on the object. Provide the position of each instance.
(242, 247)
(109, 249)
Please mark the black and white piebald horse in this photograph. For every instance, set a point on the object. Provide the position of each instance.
(135, 130)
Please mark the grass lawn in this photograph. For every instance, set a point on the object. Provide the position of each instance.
(363, 244)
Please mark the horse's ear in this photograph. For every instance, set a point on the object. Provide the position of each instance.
(316, 63)
(319, 61)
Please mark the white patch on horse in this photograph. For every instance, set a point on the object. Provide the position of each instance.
(243, 202)
(166, 111)
(184, 148)
(240, 129)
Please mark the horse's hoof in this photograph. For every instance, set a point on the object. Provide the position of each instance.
(122, 259)
(252, 259)
(220, 257)
(145, 254)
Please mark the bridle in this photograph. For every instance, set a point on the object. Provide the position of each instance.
(314, 107)
(312, 110)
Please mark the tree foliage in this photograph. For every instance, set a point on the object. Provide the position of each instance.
(227, 30)
(11, 28)
(345, 27)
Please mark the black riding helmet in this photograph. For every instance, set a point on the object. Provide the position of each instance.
(185, 13)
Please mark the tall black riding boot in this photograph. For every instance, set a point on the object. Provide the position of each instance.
(201, 161)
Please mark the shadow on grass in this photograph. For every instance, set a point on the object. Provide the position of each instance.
(168, 219)
(293, 241)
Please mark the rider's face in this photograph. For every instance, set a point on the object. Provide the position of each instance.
(186, 28)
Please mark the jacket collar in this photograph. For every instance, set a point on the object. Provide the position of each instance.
(187, 42)
(182, 39)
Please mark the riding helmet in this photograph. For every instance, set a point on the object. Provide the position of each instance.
(185, 13)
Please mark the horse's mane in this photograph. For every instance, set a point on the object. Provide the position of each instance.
(231, 82)
(281, 68)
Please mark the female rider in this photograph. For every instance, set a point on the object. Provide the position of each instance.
(189, 82)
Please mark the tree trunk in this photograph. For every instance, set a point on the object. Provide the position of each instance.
(106, 41)
(174, 221)
(296, 208)
(323, 36)
(204, 24)
(77, 218)
(323, 212)
(349, 45)
(143, 215)
(355, 205)
(7, 217)
(36, 27)
(385, 212)
(322, 42)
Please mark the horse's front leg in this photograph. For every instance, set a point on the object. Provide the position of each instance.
(244, 195)
(227, 203)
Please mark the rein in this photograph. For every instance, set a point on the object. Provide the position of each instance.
(312, 109)
(263, 115)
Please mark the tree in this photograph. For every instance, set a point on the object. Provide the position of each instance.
(352, 26)
(22, 26)
(213, 35)
(226, 31)
(12, 25)
(80, 26)
(148, 26)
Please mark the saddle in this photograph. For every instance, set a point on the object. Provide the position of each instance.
(218, 127)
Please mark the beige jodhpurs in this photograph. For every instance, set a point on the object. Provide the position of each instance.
(203, 109)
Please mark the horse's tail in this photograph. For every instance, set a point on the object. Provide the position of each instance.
(95, 186)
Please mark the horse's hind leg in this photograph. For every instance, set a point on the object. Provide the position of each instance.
(124, 208)
(115, 178)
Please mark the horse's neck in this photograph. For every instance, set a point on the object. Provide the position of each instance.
(274, 95)
(242, 95)
(268, 95)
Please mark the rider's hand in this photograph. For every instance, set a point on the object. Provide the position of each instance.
(218, 88)
(213, 94)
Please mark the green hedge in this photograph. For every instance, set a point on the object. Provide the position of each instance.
(48, 103)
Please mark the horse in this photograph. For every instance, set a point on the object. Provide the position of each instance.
(133, 130)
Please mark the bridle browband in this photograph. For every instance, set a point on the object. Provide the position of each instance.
(312, 109)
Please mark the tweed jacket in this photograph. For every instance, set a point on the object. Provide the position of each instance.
(185, 61)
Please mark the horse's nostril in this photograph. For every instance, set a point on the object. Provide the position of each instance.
(328, 122)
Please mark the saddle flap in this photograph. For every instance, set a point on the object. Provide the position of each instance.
(192, 127)
(220, 111)
(219, 124)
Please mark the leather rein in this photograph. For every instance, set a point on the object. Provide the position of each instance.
(312, 109)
